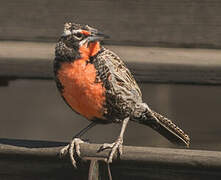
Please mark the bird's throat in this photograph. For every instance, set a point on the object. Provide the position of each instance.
(88, 50)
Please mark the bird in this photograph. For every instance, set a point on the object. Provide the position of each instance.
(95, 83)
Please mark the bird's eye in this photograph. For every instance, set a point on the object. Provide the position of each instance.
(79, 35)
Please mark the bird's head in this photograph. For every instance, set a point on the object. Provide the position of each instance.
(78, 41)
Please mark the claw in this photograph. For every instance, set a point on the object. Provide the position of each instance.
(74, 146)
(106, 146)
(117, 145)
(64, 151)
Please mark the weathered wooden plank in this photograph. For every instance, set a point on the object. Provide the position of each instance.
(40, 160)
(187, 23)
(163, 65)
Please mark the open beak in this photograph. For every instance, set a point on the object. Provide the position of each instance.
(98, 36)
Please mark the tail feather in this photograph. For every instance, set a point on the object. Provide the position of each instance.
(171, 131)
(164, 126)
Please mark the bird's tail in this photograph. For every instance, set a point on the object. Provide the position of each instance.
(144, 115)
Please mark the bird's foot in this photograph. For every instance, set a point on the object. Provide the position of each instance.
(117, 145)
(64, 151)
(74, 146)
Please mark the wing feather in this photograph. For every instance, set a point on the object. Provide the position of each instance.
(122, 91)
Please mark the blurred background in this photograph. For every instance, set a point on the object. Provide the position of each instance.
(171, 46)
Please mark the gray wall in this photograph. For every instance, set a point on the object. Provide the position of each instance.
(186, 23)
(33, 109)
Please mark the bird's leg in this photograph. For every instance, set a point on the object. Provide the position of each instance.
(74, 145)
(117, 145)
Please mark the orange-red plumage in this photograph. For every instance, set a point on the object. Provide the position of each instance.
(90, 50)
(80, 90)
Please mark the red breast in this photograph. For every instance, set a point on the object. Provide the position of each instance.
(80, 90)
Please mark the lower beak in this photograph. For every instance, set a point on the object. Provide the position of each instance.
(97, 37)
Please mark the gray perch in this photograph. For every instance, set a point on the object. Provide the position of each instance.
(22, 159)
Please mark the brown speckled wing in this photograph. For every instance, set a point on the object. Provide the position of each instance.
(122, 91)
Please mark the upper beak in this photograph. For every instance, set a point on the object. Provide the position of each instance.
(98, 36)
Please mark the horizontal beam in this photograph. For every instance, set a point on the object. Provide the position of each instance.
(25, 158)
(171, 23)
(148, 64)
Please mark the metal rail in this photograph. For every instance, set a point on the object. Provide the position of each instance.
(40, 160)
